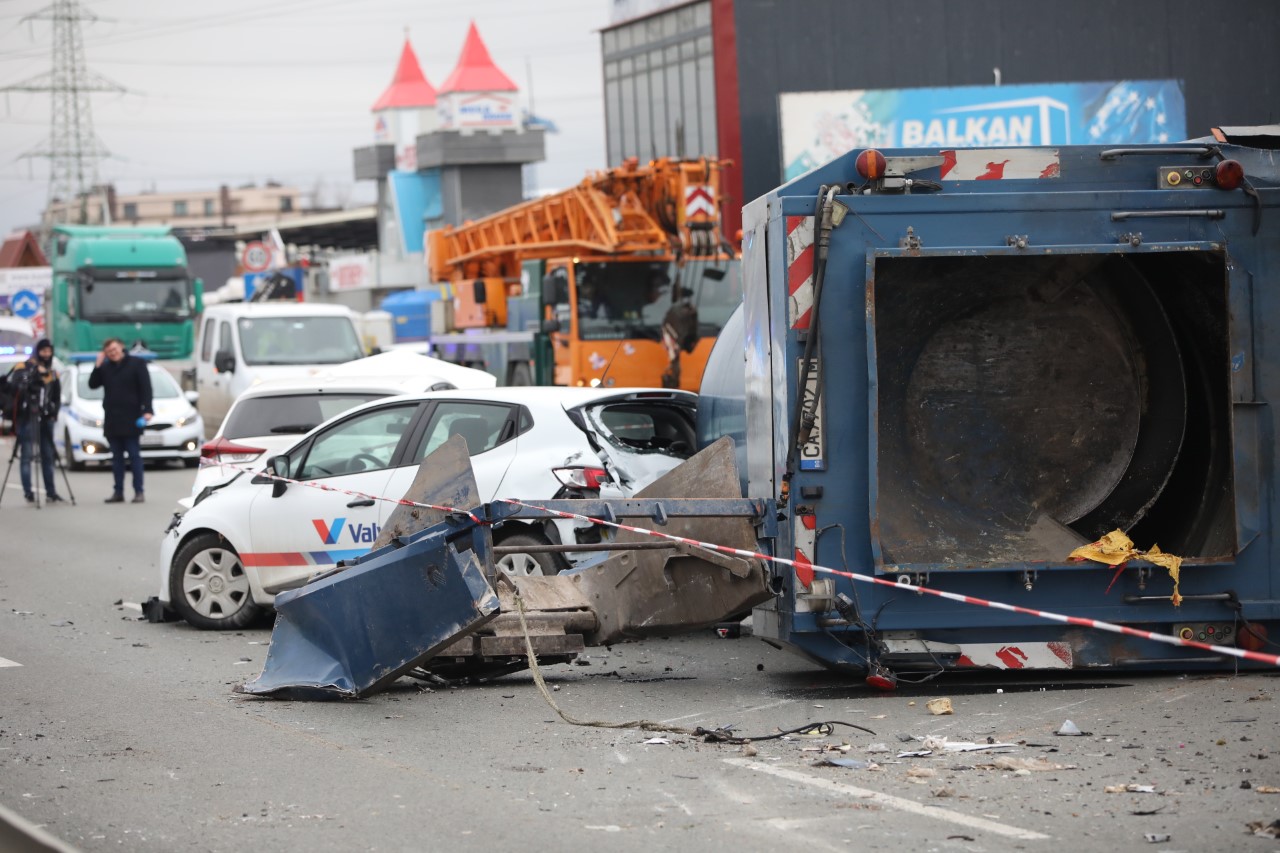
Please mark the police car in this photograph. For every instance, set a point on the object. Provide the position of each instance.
(243, 541)
(175, 433)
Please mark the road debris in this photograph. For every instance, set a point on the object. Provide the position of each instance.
(939, 707)
(1263, 829)
(849, 763)
(1157, 837)
(1070, 729)
(1129, 789)
(1008, 762)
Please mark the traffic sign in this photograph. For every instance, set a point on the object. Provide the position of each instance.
(25, 304)
(256, 257)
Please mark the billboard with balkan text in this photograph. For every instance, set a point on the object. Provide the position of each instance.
(817, 127)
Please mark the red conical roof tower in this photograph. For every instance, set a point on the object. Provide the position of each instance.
(409, 88)
(475, 71)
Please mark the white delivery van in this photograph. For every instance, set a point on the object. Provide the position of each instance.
(242, 344)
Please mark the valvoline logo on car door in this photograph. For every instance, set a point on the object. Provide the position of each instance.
(331, 531)
(355, 537)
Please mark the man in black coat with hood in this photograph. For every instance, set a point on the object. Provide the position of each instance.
(126, 407)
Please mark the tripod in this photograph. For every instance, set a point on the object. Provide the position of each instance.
(35, 434)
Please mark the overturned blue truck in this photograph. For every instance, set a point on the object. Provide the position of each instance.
(999, 408)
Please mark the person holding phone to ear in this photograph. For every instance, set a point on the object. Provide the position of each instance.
(126, 407)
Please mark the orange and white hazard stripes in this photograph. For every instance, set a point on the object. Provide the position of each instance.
(800, 254)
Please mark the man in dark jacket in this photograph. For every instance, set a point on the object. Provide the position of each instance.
(126, 407)
(37, 394)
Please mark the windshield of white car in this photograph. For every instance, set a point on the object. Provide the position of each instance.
(298, 340)
(163, 385)
(294, 414)
(13, 341)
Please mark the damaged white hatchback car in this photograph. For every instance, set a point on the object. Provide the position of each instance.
(223, 561)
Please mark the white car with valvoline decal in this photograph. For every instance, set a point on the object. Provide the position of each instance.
(244, 540)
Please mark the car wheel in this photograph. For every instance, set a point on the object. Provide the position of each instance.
(522, 565)
(71, 457)
(208, 586)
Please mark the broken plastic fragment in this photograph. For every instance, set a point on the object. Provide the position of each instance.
(1069, 729)
(939, 707)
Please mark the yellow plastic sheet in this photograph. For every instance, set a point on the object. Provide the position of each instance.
(1116, 548)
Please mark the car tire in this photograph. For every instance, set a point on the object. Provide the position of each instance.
(208, 585)
(71, 457)
(523, 565)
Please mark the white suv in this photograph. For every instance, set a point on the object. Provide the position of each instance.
(241, 543)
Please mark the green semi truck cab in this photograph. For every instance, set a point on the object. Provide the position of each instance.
(128, 282)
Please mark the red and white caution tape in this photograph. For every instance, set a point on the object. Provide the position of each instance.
(324, 487)
(806, 570)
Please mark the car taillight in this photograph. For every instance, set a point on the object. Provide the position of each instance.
(222, 450)
(582, 478)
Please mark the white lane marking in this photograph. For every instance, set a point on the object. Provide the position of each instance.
(889, 801)
(743, 711)
(6, 662)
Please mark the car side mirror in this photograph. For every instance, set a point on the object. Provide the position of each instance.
(224, 361)
(279, 465)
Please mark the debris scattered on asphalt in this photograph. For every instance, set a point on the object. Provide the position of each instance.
(62, 623)
(1129, 789)
(943, 792)
(939, 707)
(662, 741)
(1009, 762)
(24, 613)
(1263, 829)
(1070, 729)
(921, 772)
(1157, 837)
(1267, 789)
(1147, 812)
(749, 751)
(849, 763)
(878, 747)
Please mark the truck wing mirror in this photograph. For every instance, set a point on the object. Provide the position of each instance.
(224, 361)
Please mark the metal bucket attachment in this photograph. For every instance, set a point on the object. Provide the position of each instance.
(354, 631)
(359, 627)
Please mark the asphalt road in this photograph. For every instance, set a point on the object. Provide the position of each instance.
(116, 734)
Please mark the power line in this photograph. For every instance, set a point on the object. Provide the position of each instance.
(73, 150)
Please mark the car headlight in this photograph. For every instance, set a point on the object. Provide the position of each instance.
(82, 418)
(184, 420)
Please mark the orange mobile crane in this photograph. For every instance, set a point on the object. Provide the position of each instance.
(624, 279)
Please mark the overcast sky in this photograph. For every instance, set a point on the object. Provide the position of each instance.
(242, 91)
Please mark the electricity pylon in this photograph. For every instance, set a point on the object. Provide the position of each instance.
(73, 150)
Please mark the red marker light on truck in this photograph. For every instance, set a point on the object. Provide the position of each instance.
(870, 164)
(1229, 174)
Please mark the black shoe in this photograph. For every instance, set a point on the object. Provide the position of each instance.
(117, 498)
(54, 499)
(29, 498)
(138, 498)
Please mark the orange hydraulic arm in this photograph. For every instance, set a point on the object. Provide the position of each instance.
(666, 209)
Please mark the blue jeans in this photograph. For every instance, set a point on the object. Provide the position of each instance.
(120, 445)
(26, 437)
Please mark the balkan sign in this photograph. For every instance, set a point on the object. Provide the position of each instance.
(817, 127)
(462, 110)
